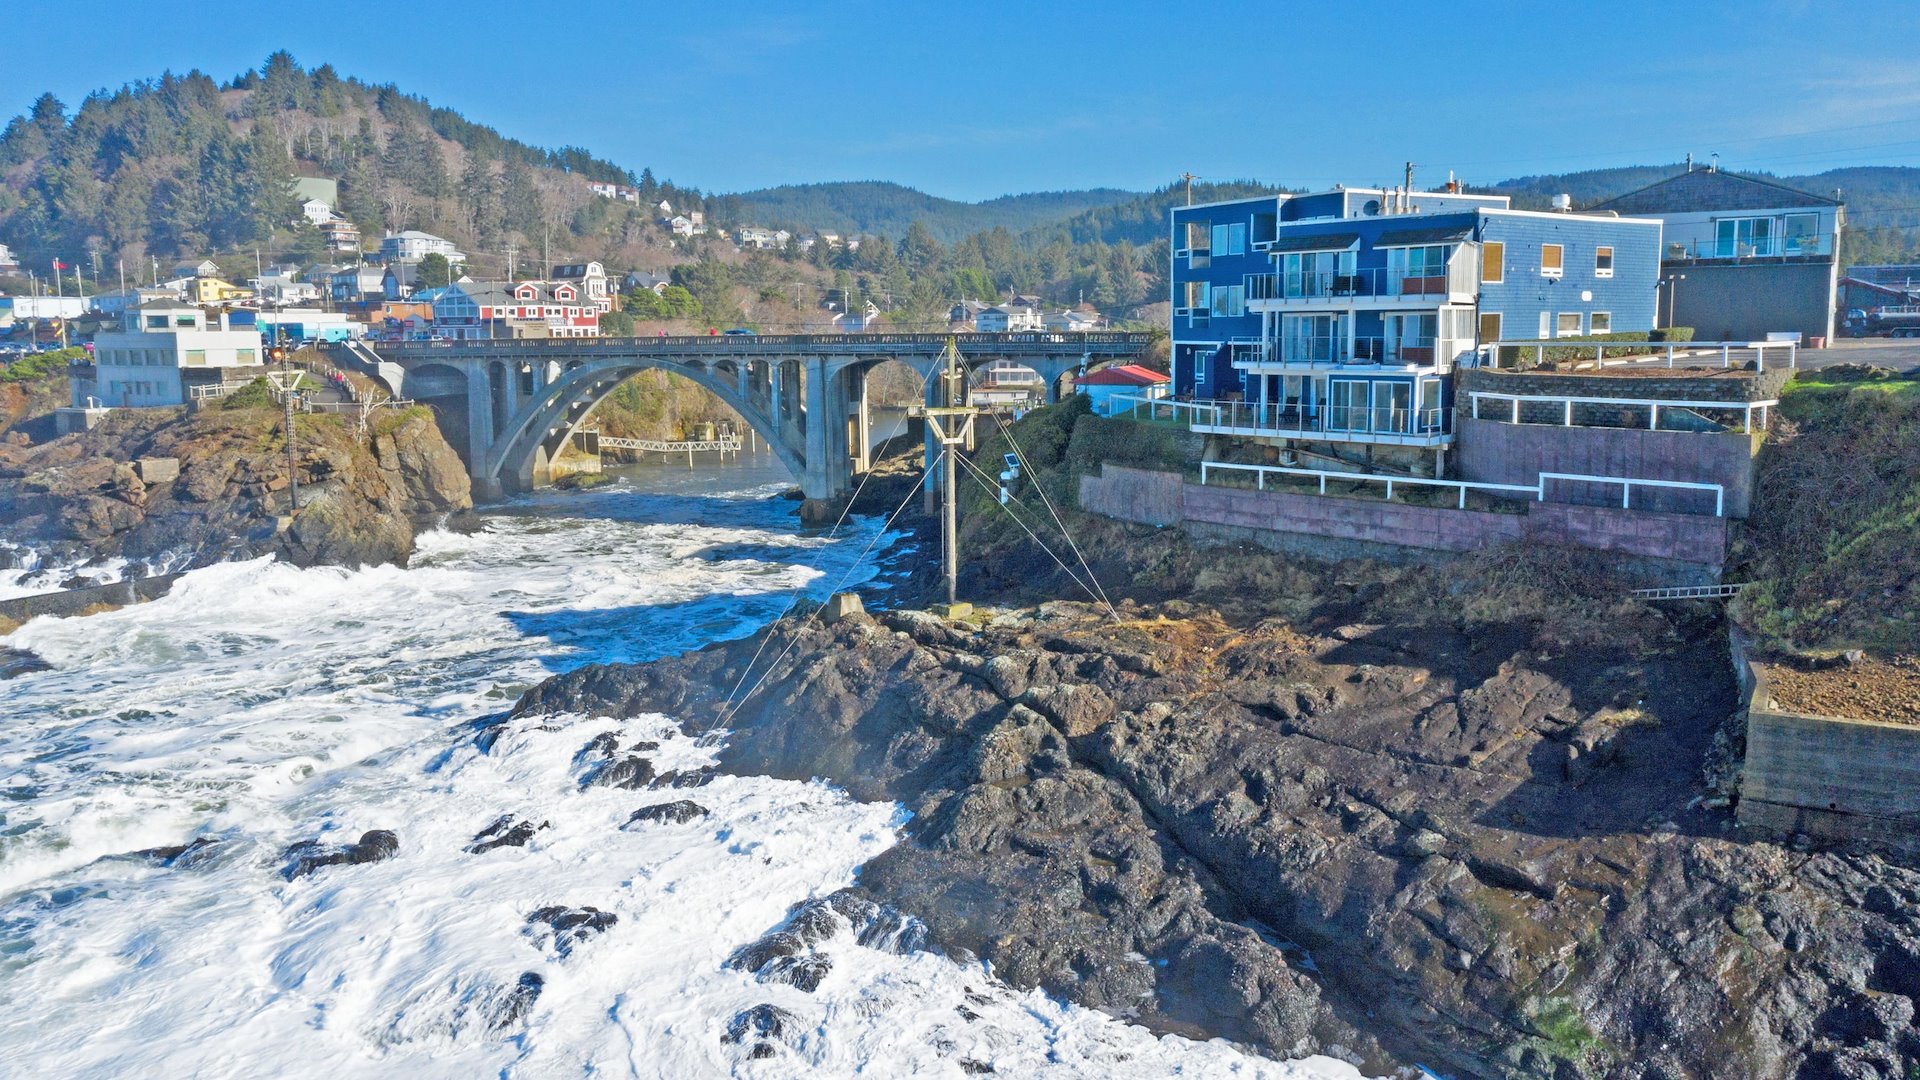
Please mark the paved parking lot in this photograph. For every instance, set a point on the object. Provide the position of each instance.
(1900, 354)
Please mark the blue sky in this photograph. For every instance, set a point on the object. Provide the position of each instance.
(971, 101)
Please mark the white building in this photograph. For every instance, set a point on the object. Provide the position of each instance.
(414, 245)
(163, 347)
(8, 264)
(590, 281)
(1008, 318)
(316, 211)
(752, 236)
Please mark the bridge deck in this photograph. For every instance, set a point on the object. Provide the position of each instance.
(722, 346)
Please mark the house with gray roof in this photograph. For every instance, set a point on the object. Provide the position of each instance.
(1742, 256)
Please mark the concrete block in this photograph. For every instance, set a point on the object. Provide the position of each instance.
(157, 470)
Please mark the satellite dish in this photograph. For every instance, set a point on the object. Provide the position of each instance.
(1372, 208)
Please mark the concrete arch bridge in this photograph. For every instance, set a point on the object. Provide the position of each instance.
(508, 406)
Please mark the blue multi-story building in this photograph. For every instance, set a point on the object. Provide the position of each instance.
(1338, 317)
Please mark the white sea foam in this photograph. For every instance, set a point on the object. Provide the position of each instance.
(259, 705)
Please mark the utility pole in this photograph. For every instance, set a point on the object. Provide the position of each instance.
(1189, 178)
(952, 425)
(1409, 183)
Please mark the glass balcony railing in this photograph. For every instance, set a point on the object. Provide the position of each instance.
(1340, 348)
(1390, 422)
(1368, 283)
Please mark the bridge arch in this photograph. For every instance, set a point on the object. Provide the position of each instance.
(523, 444)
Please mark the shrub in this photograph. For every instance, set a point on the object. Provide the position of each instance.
(254, 395)
(1673, 333)
(1564, 350)
(41, 365)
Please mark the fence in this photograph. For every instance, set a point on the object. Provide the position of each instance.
(1653, 406)
(1392, 423)
(1538, 489)
(1488, 355)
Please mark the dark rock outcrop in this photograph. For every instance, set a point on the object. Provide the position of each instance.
(1164, 817)
(374, 845)
(567, 927)
(148, 482)
(506, 831)
(676, 812)
(764, 1025)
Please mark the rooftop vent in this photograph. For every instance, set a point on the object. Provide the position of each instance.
(1563, 203)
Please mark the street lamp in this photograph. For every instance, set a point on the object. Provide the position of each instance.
(1672, 282)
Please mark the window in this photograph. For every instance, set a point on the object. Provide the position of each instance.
(1350, 405)
(1546, 324)
(1418, 271)
(1569, 324)
(1199, 369)
(1196, 298)
(1553, 259)
(1489, 326)
(1312, 338)
(1320, 273)
(1801, 234)
(1230, 239)
(1229, 301)
(1493, 262)
(1392, 405)
(196, 358)
(1265, 228)
(244, 356)
(1740, 238)
(1603, 262)
(1600, 322)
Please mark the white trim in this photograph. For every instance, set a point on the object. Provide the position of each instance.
(1577, 215)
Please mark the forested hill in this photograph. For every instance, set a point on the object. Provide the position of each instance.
(1883, 201)
(183, 165)
(1142, 219)
(878, 208)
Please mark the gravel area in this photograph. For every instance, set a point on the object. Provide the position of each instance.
(1871, 688)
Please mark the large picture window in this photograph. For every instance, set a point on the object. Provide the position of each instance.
(1742, 238)
(1230, 301)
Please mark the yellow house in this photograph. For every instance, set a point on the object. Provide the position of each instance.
(211, 290)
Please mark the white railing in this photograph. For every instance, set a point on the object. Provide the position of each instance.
(215, 392)
(1375, 282)
(1627, 484)
(1462, 486)
(1195, 409)
(1348, 423)
(1653, 406)
(1538, 489)
(1643, 351)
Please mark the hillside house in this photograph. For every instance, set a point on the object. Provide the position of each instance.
(357, 284)
(519, 309)
(642, 279)
(1071, 321)
(1111, 389)
(965, 315)
(414, 245)
(316, 211)
(1008, 318)
(617, 192)
(203, 268)
(759, 239)
(590, 280)
(340, 234)
(8, 264)
(164, 348)
(1757, 256)
(1336, 319)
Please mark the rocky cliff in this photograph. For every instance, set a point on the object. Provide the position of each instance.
(1399, 824)
(152, 483)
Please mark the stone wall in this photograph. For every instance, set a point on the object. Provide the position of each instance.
(1828, 777)
(1656, 547)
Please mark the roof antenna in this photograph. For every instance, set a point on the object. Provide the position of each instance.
(1689, 161)
(1715, 167)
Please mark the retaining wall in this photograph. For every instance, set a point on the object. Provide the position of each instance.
(1829, 777)
(1657, 547)
(78, 601)
(1492, 451)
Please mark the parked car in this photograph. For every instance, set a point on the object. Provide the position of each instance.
(741, 331)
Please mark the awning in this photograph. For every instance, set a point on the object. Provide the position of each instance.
(1450, 234)
(1321, 242)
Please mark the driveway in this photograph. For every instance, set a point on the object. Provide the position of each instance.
(1900, 354)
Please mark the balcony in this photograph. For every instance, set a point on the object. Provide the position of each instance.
(1339, 349)
(1394, 426)
(1363, 287)
(1733, 250)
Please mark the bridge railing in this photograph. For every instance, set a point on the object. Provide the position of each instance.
(775, 342)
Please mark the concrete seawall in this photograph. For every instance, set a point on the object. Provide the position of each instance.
(78, 601)
(1829, 777)
(1652, 546)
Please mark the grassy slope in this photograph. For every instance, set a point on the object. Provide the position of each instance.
(1834, 539)
(886, 209)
